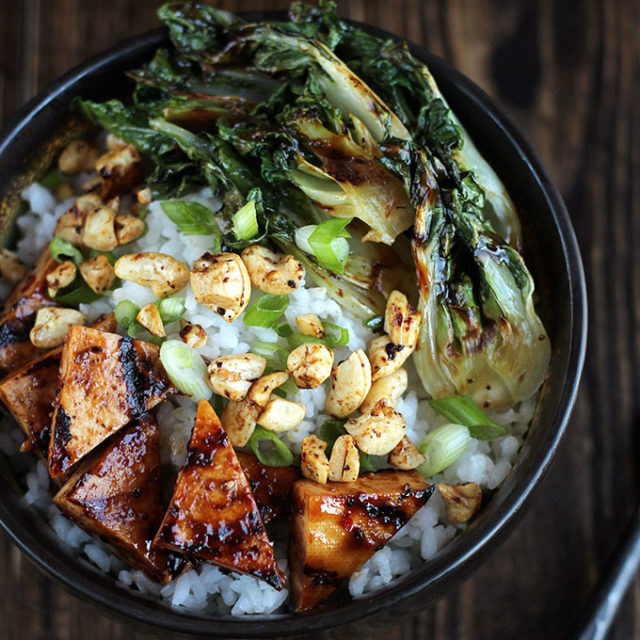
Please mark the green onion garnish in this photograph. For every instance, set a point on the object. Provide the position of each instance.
(245, 221)
(62, 250)
(52, 179)
(266, 310)
(374, 323)
(442, 447)
(333, 341)
(126, 313)
(331, 430)
(463, 410)
(329, 245)
(275, 355)
(284, 331)
(186, 369)
(137, 331)
(326, 242)
(109, 255)
(171, 309)
(289, 387)
(78, 292)
(329, 340)
(192, 218)
(367, 462)
(277, 455)
(218, 404)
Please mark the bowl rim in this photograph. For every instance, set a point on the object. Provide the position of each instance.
(112, 598)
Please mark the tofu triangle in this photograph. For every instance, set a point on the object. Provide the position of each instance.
(30, 391)
(117, 494)
(336, 527)
(213, 514)
(19, 314)
(106, 380)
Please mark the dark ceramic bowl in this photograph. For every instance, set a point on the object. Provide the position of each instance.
(27, 147)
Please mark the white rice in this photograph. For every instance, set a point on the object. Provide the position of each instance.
(208, 588)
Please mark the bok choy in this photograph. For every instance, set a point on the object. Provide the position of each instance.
(297, 124)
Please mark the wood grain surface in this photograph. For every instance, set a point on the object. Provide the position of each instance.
(568, 73)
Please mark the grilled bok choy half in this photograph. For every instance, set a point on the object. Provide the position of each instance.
(315, 119)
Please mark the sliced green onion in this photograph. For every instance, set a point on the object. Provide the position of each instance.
(374, 323)
(331, 430)
(367, 462)
(52, 179)
(126, 313)
(329, 340)
(171, 309)
(192, 218)
(186, 369)
(284, 331)
(62, 250)
(278, 455)
(137, 331)
(266, 310)
(78, 292)
(329, 244)
(107, 254)
(289, 387)
(442, 447)
(218, 404)
(245, 221)
(302, 237)
(275, 355)
(341, 339)
(463, 410)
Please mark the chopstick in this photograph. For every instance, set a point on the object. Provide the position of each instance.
(603, 605)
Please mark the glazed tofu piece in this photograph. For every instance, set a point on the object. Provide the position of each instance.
(117, 495)
(336, 527)
(29, 393)
(19, 314)
(271, 486)
(106, 381)
(213, 514)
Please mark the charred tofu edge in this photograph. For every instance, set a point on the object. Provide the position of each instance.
(76, 512)
(312, 585)
(34, 370)
(142, 379)
(208, 439)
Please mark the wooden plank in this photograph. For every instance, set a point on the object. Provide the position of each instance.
(568, 74)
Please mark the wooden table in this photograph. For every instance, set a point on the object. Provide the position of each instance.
(568, 73)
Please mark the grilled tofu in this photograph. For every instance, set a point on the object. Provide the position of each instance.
(117, 495)
(336, 527)
(29, 393)
(19, 314)
(213, 514)
(271, 486)
(106, 381)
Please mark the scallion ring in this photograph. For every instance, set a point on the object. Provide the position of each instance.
(442, 447)
(278, 455)
(186, 369)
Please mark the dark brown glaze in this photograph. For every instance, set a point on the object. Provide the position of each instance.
(271, 486)
(29, 394)
(336, 527)
(213, 514)
(105, 382)
(18, 316)
(117, 495)
(30, 391)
